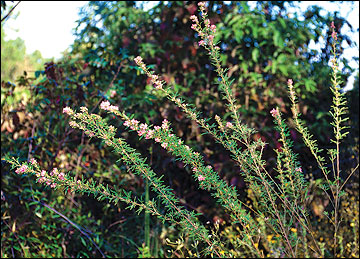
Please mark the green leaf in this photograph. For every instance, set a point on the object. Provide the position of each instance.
(239, 35)
(278, 41)
(284, 69)
(255, 54)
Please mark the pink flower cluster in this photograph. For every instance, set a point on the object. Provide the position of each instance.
(207, 34)
(89, 133)
(275, 112)
(143, 129)
(202, 8)
(194, 19)
(105, 105)
(298, 169)
(132, 124)
(22, 169)
(139, 61)
(73, 124)
(54, 173)
(42, 176)
(83, 109)
(154, 78)
(165, 124)
(332, 25)
(333, 34)
(112, 93)
(149, 134)
(33, 161)
(229, 125)
(158, 84)
(200, 177)
(68, 111)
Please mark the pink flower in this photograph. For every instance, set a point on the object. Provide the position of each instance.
(105, 105)
(201, 178)
(143, 126)
(154, 78)
(42, 179)
(213, 28)
(53, 185)
(207, 23)
(127, 123)
(43, 173)
(157, 140)
(138, 60)
(290, 82)
(201, 4)
(158, 84)
(201, 43)
(68, 111)
(149, 134)
(83, 109)
(112, 93)
(194, 169)
(164, 145)
(113, 108)
(211, 38)
(334, 35)
(54, 171)
(229, 124)
(23, 168)
(274, 112)
(298, 169)
(194, 26)
(61, 176)
(157, 128)
(194, 18)
(332, 25)
(133, 124)
(165, 124)
(33, 161)
(141, 132)
(73, 124)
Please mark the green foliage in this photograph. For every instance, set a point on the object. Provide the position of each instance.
(263, 49)
(14, 60)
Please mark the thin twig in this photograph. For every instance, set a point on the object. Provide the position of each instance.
(349, 177)
(10, 12)
(72, 223)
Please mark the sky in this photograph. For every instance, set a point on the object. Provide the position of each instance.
(47, 25)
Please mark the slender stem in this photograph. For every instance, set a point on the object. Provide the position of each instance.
(3, 19)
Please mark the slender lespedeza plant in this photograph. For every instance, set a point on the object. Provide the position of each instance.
(281, 202)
